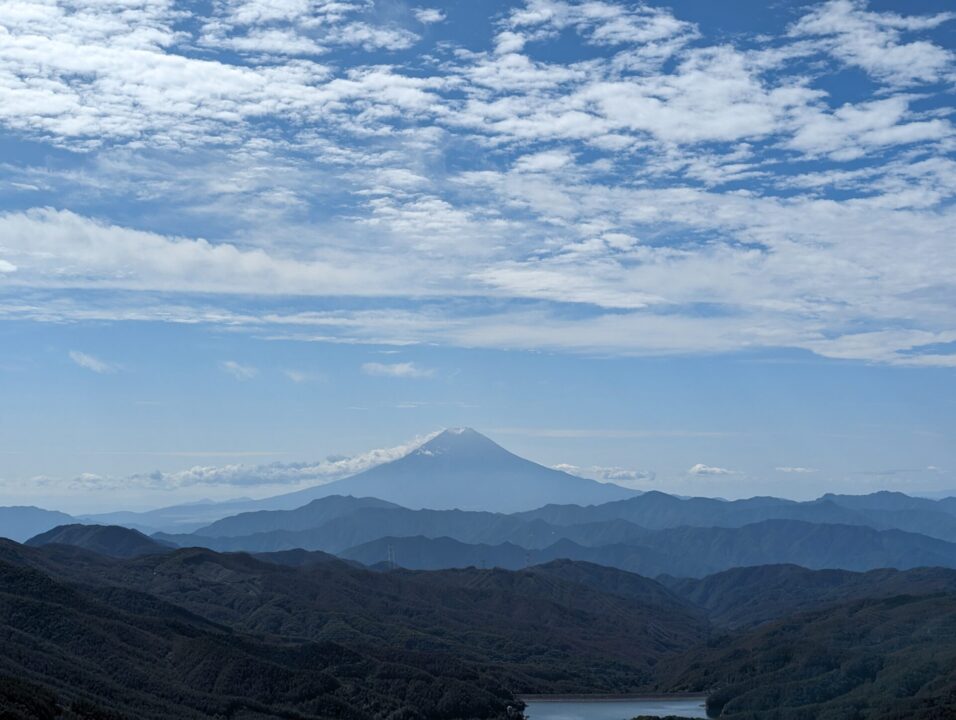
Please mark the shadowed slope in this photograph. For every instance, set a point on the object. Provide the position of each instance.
(752, 595)
(117, 653)
(883, 659)
(532, 632)
(109, 540)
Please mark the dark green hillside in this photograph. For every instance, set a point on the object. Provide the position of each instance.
(752, 595)
(610, 580)
(195, 633)
(529, 631)
(138, 657)
(422, 553)
(544, 634)
(887, 659)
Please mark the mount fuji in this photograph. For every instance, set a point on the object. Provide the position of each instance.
(461, 468)
(458, 468)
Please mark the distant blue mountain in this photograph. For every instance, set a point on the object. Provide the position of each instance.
(657, 510)
(684, 551)
(461, 468)
(313, 515)
(22, 522)
(336, 523)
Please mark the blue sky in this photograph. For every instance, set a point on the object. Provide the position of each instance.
(699, 247)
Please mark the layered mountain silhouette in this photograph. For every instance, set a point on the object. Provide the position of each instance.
(369, 531)
(685, 551)
(439, 507)
(657, 510)
(336, 523)
(464, 469)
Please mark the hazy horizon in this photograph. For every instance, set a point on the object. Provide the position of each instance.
(192, 485)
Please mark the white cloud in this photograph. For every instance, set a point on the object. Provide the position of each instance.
(601, 23)
(796, 470)
(398, 370)
(874, 41)
(297, 376)
(58, 247)
(372, 38)
(701, 469)
(637, 479)
(851, 131)
(714, 94)
(239, 371)
(241, 475)
(90, 74)
(655, 173)
(89, 362)
(606, 433)
(546, 161)
(429, 16)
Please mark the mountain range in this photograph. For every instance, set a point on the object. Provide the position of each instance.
(685, 551)
(462, 469)
(192, 633)
(682, 539)
(650, 533)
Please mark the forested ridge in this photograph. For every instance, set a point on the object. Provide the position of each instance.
(195, 633)
(875, 659)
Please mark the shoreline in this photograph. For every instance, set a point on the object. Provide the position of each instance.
(610, 697)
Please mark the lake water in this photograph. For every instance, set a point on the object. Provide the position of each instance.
(614, 709)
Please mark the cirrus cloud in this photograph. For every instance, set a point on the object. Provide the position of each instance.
(655, 188)
(239, 371)
(396, 370)
(90, 362)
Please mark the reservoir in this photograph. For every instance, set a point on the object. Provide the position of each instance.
(613, 709)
